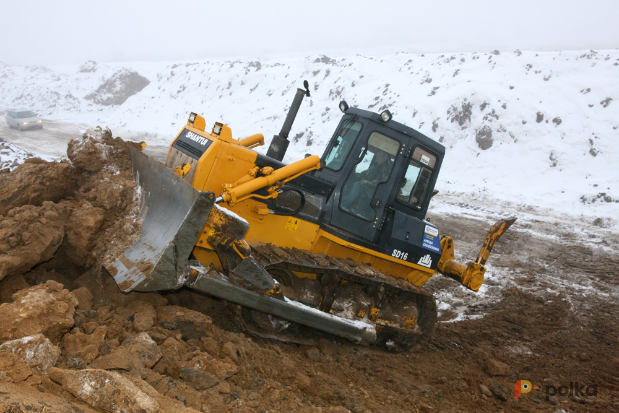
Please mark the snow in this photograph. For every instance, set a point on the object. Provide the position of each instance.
(552, 115)
(11, 156)
(231, 214)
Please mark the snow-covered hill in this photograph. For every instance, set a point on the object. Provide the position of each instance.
(533, 128)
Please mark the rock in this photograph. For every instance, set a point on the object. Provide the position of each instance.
(143, 322)
(134, 354)
(484, 390)
(234, 352)
(30, 235)
(211, 346)
(171, 389)
(116, 326)
(303, 382)
(191, 324)
(197, 379)
(10, 285)
(46, 308)
(501, 392)
(76, 363)
(37, 351)
(484, 137)
(81, 230)
(105, 390)
(143, 315)
(111, 193)
(173, 354)
(84, 346)
(15, 369)
(90, 152)
(496, 368)
(90, 327)
(34, 182)
(84, 298)
(328, 348)
(160, 334)
(14, 398)
(222, 369)
(554, 400)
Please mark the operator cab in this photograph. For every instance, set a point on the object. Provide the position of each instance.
(383, 174)
(375, 186)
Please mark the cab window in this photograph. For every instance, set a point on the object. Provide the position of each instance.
(343, 143)
(414, 185)
(373, 169)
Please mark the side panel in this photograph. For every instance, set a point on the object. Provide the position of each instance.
(280, 230)
(413, 240)
(331, 245)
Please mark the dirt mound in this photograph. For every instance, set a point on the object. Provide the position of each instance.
(88, 206)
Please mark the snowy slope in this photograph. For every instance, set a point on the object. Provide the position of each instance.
(530, 128)
(11, 156)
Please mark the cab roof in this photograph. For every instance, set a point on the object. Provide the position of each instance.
(399, 127)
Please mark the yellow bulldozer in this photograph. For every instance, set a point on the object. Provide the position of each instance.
(338, 243)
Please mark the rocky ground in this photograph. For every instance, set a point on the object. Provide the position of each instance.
(72, 342)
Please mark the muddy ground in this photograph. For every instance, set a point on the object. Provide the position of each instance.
(547, 314)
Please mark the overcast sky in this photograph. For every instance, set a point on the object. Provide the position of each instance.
(73, 31)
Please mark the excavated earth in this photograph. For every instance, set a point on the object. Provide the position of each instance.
(70, 341)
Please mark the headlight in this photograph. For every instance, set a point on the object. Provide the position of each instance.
(24, 123)
(386, 116)
(39, 121)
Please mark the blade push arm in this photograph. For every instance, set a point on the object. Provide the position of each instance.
(471, 275)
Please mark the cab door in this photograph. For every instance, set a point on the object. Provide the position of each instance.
(362, 194)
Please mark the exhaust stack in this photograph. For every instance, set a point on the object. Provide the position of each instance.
(280, 142)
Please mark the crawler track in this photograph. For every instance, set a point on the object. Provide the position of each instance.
(404, 314)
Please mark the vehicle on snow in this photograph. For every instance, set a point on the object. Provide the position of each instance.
(23, 119)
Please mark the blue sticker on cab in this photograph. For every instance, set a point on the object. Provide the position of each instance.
(431, 240)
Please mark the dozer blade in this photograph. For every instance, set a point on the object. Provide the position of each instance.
(173, 214)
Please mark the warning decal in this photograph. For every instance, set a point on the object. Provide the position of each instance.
(431, 240)
(292, 224)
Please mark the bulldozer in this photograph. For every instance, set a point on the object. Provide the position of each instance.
(338, 243)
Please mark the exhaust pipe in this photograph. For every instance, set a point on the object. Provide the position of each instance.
(280, 142)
